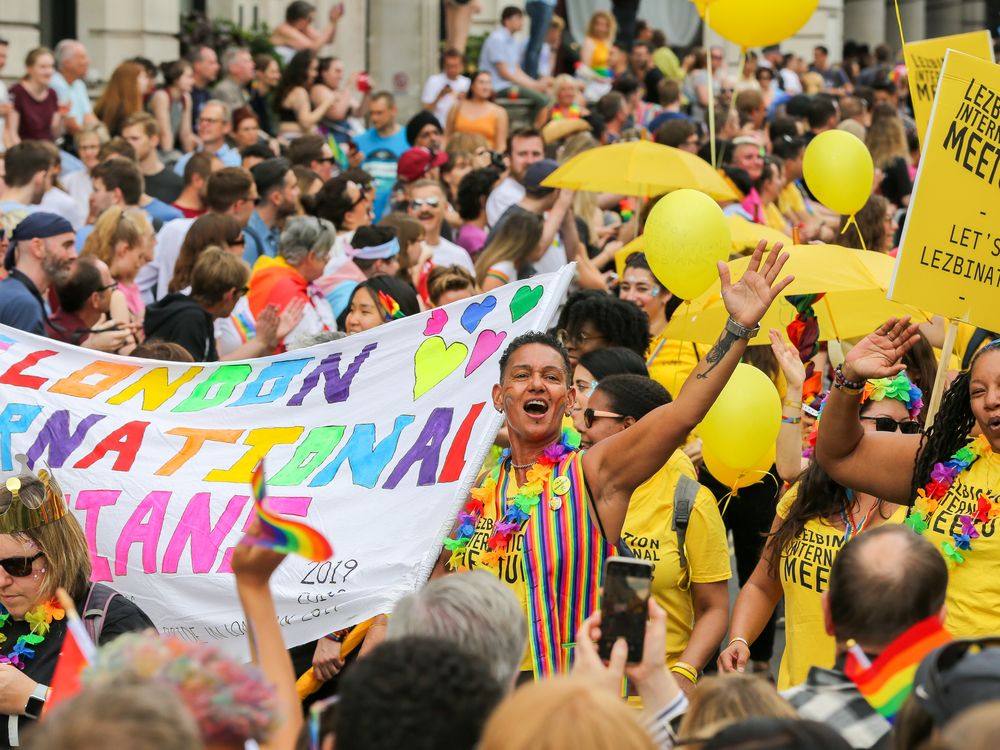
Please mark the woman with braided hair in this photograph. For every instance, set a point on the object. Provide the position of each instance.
(950, 476)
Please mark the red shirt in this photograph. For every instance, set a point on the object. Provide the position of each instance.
(36, 116)
(189, 213)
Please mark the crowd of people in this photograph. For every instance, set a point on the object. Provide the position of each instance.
(228, 206)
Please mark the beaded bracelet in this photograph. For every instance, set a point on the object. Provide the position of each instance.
(840, 382)
(791, 420)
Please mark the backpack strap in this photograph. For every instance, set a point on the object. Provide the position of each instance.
(684, 496)
(95, 609)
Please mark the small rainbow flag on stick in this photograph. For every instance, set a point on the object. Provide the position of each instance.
(279, 533)
(886, 682)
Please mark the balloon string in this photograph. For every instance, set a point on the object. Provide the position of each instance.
(851, 221)
(734, 491)
(899, 22)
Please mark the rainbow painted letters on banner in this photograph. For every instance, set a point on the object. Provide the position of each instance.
(373, 440)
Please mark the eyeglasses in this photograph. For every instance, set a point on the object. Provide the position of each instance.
(419, 203)
(113, 285)
(242, 291)
(888, 424)
(19, 567)
(575, 339)
(589, 415)
(210, 120)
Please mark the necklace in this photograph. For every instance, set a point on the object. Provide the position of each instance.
(40, 619)
(516, 513)
(519, 467)
(851, 527)
(943, 476)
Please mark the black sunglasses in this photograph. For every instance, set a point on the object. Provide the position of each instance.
(19, 567)
(589, 415)
(888, 424)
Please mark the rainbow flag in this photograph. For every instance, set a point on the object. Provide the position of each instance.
(888, 680)
(338, 152)
(281, 534)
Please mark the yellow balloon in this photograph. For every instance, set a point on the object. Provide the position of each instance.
(756, 23)
(686, 234)
(839, 171)
(737, 478)
(744, 420)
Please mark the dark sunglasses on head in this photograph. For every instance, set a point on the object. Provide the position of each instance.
(589, 415)
(19, 567)
(242, 291)
(419, 203)
(888, 424)
(112, 286)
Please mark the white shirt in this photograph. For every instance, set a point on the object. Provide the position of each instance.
(449, 254)
(504, 195)
(790, 82)
(317, 316)
(433, 87)
(61, 203)
(79, 186)
(154, 277)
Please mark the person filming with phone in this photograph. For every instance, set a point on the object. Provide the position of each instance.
(548, 515)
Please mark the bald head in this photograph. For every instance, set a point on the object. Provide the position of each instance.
(882, 583)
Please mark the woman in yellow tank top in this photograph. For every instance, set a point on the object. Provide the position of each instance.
(596, 52)
(477, 113)
(814, 520)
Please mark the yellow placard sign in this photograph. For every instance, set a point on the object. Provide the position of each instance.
(923, 68)
(949, 257)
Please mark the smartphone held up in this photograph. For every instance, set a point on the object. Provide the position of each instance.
(625, 605)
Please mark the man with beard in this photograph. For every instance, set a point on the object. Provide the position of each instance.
(42, 253)
(427, 205)
(524, 148)
(277, 199)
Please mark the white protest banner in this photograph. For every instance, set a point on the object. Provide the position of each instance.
(374, 440)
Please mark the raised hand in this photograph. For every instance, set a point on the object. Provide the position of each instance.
(788, 358)
(879, 354)
(290, 317)
(749, 298)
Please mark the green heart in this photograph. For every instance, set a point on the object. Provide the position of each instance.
(524, 301)
(434, 361)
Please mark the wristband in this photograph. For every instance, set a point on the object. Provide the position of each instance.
(686, 671)
(741, 331)
(791, 420)
(791, 404)
(337, 636)
(738, 639)
(840, 382)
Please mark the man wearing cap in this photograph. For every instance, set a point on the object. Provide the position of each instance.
(420, 163)
(428, 205)
(555, 208)
(42, 252)
(882, 583)
(277, 199)
(425, 131)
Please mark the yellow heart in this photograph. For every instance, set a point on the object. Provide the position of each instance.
(434, 361)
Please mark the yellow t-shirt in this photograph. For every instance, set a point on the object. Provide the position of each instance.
(670, 362)
(649, 534)
(804, 571)
(790, 201)
(973, 587)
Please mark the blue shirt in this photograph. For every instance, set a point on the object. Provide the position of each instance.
(500, 47)
(19, 308)
(76, 94)
(381, 155)
(160, 213)
(256, 230)
(228, 155)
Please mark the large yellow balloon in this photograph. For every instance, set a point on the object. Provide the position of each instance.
(744, 420)
(736, 478)
(839, 171)
(686, 234)
(756, 23)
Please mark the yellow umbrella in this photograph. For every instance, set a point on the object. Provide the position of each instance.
(745, 235)
(854, 303)
(639, 168)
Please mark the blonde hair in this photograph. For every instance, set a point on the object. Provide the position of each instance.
(113, 226)
(516, 241)
(812, 82)
(61, 541)
(564, 712)
(215, 273)
(612, 25)
(444, 279)
(467, 142)
(720, 701)
(886, 136)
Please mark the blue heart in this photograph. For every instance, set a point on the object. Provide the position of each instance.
(474, 313)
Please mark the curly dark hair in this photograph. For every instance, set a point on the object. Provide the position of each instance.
(621, 323)
(536, 337)
(951, 427)
(418, 693)
(473, 188)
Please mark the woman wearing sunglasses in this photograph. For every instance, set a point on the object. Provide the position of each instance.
(814, 519)
(691, 585)
(42, 548)
(949, 477)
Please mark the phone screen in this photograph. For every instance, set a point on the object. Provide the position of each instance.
(625, 605)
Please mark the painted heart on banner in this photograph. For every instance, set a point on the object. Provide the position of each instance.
(524, 301)
(434, 361)
(486, 346)
(473, 315)
(436, 322)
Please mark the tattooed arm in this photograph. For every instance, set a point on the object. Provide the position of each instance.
(618, 464)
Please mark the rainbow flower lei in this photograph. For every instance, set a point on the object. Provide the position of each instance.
(40, 618)
(943, 476)
(572, 112)
(516, 513)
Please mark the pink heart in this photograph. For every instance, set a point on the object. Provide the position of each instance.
(436, 322)
(486, 345)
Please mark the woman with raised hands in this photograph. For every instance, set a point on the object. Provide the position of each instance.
(549, 514)
(948, 475)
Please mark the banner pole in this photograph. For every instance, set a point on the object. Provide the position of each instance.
(938, 391)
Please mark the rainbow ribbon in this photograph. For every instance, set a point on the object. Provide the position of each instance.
(279, 533)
